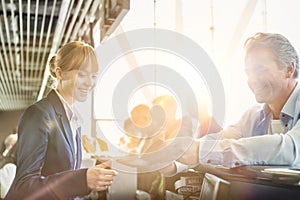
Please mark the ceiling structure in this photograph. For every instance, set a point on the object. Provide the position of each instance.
(32, 31)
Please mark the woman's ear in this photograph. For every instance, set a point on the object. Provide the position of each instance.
(58, 73)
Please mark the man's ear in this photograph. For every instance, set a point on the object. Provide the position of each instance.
(58, 73)
(290, 70)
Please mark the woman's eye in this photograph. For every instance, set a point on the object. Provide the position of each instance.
(94, 76)
(82, 74)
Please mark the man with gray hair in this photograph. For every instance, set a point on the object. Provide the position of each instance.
(268, 134)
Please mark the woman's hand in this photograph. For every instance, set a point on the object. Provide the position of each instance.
(99, 177)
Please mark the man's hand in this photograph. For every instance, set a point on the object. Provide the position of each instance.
(163, 157)
(169, 170)
(99, 177)
(191, 154)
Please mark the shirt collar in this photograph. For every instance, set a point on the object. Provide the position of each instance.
(67, 107)
(289, 106)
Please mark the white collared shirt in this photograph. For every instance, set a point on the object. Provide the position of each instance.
(249, 142)
(74, 119)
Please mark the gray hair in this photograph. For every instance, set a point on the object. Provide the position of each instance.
(279, 45)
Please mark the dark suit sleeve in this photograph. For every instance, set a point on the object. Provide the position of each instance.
(35, 129)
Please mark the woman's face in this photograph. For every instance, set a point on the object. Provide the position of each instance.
(76, 84)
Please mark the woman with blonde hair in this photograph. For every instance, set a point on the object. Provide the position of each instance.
(49, 144)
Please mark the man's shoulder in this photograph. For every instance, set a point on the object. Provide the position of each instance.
(254, 112)
(255, 109)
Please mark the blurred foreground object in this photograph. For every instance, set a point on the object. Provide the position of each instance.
(148, 128)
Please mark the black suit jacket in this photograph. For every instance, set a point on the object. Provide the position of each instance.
(46, 157)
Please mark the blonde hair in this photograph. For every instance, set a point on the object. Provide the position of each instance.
(71, 56)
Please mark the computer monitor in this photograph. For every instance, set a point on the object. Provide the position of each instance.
(214, 188)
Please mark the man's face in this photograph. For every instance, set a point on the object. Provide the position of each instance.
(77, 84)
(266, 78)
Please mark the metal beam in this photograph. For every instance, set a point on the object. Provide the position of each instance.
(61, 22)
(241, 27)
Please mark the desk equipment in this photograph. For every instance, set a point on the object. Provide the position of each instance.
(260, 182)
(124, 186)
(214, 188)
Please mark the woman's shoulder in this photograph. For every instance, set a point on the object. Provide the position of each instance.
(44, 104)
(38, 114)
(39, 106)
(39, 110)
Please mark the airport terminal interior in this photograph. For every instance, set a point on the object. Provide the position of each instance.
(176, 107)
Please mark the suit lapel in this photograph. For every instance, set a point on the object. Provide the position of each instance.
(79, 153)
(64, 122)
